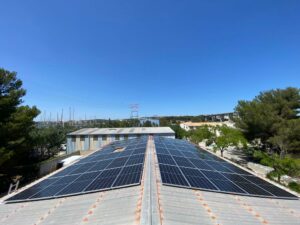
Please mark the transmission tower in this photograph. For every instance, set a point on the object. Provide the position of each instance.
(134, 114)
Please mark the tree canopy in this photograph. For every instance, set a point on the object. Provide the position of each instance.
(272, 117)
(201, 133)
(229, 137)
(16, 120)
(16, 123)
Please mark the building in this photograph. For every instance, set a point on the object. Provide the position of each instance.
(220, 117)
(152, 199)
(153, 121)
(194, 125)
(94, 138)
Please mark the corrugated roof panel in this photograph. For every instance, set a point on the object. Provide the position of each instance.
(128, 130)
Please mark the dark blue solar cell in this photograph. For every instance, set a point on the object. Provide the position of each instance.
(181, 161)
(217, 166)
(110, 172)
(67, 179)
(169, 169)
(131, 178)
(83, 168)
(101, 165)
(256, 180)
(66, 171)
(73, 188)
(132, 169)
(213, 175)
(165, 159)
(135, 159)
(102, 183)
(189, 155)
(174, 179)
(200, 182)
(236, 169)
(48, 191)
(176, 153)
(125, 153)
(26, 193)
(118, 162)
(234, 177)
(162, 151)
(191, 172)
(253, 189)
(227, 186)
(200, 164)
(89, 176)
(276, 191)
(139, 151)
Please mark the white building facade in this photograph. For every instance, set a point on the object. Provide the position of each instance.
(94, 138)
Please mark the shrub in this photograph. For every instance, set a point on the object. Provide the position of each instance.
(287, 165)
(294, 186)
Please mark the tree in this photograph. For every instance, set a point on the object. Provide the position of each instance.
(266, 116)
(16, 122)
(287, 137)
(147, 123)
(229, 137)
(164, 122)
(200, 134)
(47, 141)
(179, 132)
(283, 166)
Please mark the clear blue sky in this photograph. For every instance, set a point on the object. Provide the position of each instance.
(172, 57)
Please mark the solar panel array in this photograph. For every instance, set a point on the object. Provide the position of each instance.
(184, 165)
(106, 169)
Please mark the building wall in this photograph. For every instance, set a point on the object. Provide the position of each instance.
(88, 142)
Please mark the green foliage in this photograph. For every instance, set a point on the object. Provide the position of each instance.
(164, 122)
(272, 117)
(274, 175)
(46, 141)
(287, 165)
(15, 121)
(262, 158)
(229, 137)
(294, 186)
(147, 124)
(287, 137)
(179, 132)
(200, 134)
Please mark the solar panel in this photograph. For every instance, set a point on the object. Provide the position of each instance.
(106, 169)
(165, 159)
(182, 164)
(201, 182)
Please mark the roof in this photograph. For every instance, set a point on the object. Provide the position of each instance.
(151, 202)
(197, 124)
(127, 130)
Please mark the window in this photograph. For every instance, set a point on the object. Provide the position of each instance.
(104, 137)
(73, 139)
(95, 138)
(125, 136)
(138, 135)
(117, 137)
(82, 138)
